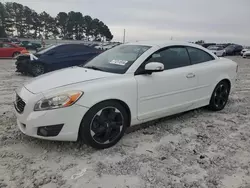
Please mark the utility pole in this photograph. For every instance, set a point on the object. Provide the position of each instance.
(124, 35)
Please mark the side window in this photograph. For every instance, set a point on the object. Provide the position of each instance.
(198, 56)
(1, 45)
(63, 49)
(71, 48)
(173, 57)
(81, 48)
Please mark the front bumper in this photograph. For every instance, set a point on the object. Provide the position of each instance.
(23, 66)
(68, 119)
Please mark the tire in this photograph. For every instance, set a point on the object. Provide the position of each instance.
(37, 69)
(15, 54)
(219, 96)
(95, 128)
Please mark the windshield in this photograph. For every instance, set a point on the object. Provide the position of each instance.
(118, 59)
(44, 50)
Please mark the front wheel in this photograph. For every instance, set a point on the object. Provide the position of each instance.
(104, 124)
(37, 69)
(220, 96)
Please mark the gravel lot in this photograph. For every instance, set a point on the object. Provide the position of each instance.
(197, 149)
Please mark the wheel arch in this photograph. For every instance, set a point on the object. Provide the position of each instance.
(224, 77)
(228, 82)
(15, 52)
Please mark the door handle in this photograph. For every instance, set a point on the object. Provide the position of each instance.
(190, 75)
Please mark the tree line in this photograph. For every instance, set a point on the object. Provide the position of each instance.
(27, 23)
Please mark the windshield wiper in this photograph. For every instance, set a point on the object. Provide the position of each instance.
(93, 67)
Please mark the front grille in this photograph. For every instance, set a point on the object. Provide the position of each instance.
(19, 104)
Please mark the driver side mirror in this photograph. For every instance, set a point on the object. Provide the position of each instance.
(154, 67)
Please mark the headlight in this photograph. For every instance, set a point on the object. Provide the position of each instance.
(58, 101)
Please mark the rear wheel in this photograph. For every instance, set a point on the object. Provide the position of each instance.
(37, 69)
(104, 124)
(220, 96)
(15, 54)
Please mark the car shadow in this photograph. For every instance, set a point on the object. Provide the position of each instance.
(165, 119)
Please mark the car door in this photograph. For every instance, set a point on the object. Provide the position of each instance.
(2, 50)
(170, 91)
(206, 68)
(7, 50)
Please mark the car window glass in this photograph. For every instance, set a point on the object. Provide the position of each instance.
(173, 57)
(65, 48)
(46, 49)
(82, 48)
(73, 48)
(198, 55)
(118, 59)
(1, 45)
(7, 45)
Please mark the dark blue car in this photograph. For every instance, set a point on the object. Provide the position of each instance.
(55, 57)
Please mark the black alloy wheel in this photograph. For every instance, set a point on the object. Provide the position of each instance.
(37, 69)
(220, 96)
(104, 124)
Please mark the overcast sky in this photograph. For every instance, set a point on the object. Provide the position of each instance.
(189, 20)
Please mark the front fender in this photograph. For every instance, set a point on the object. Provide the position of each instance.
(123, 89)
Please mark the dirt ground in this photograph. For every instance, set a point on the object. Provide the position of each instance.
(197, 149)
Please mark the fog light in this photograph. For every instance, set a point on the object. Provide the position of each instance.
(50, 130)
(42, 131)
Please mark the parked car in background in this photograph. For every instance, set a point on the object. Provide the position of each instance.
(10, 50)
(10, 40)
(93, 45)
(15, 41)
(205, 45)
(224, 45)
(246, 54)
(107, 47)
(7, 40)
(55, 57)
(124, 86)
(217, 50)
(233, 49)
(101, 46)
(30, 45)
(244, 50)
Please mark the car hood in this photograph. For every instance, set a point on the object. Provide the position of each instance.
(64, 77)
